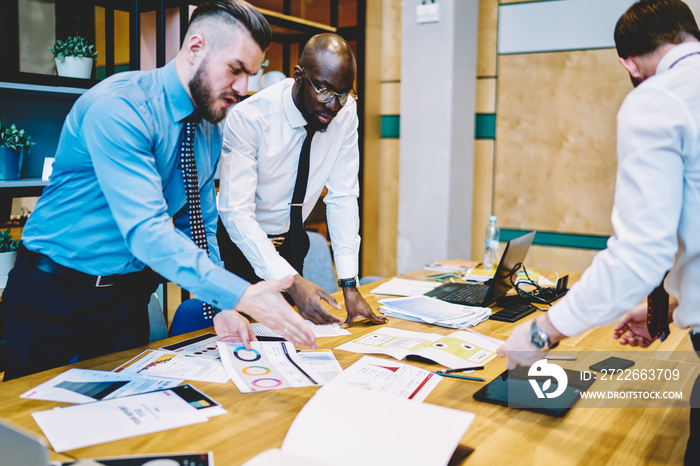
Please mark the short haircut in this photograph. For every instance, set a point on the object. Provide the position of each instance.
(240, 12)
(648, 24)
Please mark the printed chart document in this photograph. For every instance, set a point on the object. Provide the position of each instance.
(157, 363)
(400, 432)
(269, 365)
(87, 424)
(85, 386)
(322, 362)
(434, 311)
(458, 349)
(203, 346)
(391, 378)
(404, 287)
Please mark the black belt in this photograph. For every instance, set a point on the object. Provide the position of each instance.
(28, 258)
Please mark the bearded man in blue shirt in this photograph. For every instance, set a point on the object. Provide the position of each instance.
(116, 210)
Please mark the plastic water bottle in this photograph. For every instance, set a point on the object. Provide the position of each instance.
(491, 251)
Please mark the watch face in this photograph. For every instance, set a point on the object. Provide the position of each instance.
(537, 337)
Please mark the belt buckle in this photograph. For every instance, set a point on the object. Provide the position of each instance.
(98, 283)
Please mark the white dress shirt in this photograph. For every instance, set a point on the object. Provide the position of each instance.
(656, 214)
(263, 136)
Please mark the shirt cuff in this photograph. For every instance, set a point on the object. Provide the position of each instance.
(346, 266)
(565, 320)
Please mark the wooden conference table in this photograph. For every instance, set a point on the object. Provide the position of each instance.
(256, 422)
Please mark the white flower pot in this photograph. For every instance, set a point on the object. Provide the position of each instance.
(7, 261)
(75, 67)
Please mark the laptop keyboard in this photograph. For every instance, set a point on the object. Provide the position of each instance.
(470, 295)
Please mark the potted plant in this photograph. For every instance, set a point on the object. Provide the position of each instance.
(74, 57)
(13, 143)
(8, 248)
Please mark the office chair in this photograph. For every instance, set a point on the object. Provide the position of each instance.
(188, 318)
(318, 263)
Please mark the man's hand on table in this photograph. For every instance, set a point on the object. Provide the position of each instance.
(307, 297)
(518, 347)
(357, 308)
(233, 327)
(264, 302)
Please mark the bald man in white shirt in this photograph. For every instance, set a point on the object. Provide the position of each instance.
(263, 139)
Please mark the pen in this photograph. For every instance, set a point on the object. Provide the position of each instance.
(476, 379)
(560, 358)
(461, 369)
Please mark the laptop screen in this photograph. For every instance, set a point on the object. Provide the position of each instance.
(514, 254)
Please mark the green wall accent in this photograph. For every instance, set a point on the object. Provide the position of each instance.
(391, 125)
(485, 126)
(117, 69)
(562, 240)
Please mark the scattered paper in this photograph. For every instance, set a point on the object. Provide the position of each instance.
(401, 432)
(327, 330)
(88, 424)
(322, 362)
(269, 365)
(166, 459)
(440, 266)
(458, 349)
(85, 386)
(404, 287)
(434, 311)
(392, 378)
(156, 363)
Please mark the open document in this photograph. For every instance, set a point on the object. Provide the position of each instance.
(270, 365)
(85, 386)
(87, 424)
(458, 349)
(434, 311)
(372, 429)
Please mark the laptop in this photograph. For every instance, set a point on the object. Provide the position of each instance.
(19, 447)
(485, 294)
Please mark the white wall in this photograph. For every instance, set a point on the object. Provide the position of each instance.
(438, 81)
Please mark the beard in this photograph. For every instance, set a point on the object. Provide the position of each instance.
(309, 116)
(203, 98)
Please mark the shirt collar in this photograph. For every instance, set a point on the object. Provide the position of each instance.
(677, 52)
(296, 119)
(181, 105)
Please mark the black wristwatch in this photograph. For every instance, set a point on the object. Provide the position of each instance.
(349, 282)
(539, 338)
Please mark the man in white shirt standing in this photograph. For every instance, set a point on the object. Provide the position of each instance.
(656, 213)
(264, 138)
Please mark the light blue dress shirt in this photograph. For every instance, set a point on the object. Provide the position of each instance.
(117, 189)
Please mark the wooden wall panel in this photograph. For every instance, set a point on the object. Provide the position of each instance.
(391, 98)
(555, 146)
(486, 95)
(391, 40)
(483, 189)
(389, 200)
(561, 259)
(487, 45)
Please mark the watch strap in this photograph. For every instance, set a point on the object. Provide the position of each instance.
(349, 282)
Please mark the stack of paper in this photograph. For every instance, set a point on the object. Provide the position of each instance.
(434, 311)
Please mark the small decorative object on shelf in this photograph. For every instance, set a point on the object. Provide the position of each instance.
(272, 77)
(74, 57)
(254, 80)
(8, 254)
(13, 143)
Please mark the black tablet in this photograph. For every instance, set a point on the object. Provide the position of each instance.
(514, 389)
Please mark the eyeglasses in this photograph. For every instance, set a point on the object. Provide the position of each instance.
(324, 95)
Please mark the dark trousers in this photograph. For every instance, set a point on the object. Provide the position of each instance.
(692, 450)
(52, 321)
(236, 262)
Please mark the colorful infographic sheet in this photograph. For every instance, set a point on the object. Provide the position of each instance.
(458, 349)
(269, 365)
(84, 386)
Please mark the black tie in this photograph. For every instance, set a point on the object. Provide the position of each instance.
(194, 206)
(297, 236)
